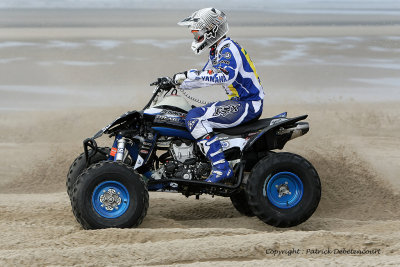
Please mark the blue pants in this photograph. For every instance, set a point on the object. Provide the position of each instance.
(223, 114)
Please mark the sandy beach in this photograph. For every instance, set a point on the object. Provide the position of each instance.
(61, 84)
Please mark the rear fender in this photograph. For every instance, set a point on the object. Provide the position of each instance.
(276, 135)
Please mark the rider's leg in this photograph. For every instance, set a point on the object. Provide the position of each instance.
(200, 128)
(213, 150)
(201, 121)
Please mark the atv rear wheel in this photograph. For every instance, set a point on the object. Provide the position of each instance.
(283, 190)
(109, 194)
(79, 165)
(239, 201)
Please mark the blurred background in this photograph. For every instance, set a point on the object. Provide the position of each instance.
(67, 53)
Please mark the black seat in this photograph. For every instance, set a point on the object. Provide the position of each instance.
(246, 127)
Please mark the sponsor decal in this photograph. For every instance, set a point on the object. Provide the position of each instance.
(143, 151)
(275, 121)
(210, 72)
(113, 151)
(225, 46)
(225, 144)
(251, 134)
(191, 124)
(215, 79)
(226, 55)
(226, 110)
(106, 128)
(226, 62)
(212, 33)
(139, 162)
(171, 120)
(171, 112)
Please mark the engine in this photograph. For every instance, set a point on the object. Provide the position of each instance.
(184, 163)
(182, 151)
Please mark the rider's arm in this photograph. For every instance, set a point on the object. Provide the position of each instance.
(223, 72)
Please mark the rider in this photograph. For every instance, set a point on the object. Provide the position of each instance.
(228, 65)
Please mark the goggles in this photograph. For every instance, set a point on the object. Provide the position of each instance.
(198, 35)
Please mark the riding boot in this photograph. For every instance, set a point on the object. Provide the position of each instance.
(213, 151)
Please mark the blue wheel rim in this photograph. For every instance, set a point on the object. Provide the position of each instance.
(284, 189)
(110, 199)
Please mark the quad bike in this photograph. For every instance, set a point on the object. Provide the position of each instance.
(153, 151)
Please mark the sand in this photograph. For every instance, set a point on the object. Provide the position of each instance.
(358, 210)
(53, 97)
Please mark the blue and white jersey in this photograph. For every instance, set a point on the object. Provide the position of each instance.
(231, 67)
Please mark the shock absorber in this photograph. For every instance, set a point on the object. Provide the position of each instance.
(121, 149)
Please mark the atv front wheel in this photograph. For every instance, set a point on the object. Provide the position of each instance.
(79, 165)
(109, 194)
(283, 190)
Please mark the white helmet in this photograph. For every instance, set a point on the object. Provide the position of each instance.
(208, 26)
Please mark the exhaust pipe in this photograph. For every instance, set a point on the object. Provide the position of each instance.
(301, 129)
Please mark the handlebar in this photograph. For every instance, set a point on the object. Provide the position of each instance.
(164, 83)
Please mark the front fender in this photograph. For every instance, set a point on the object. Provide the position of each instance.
(273, 136)
(117, 124)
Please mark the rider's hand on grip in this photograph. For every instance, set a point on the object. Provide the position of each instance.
(179, 77)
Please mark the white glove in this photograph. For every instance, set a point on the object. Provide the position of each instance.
(179, 78)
